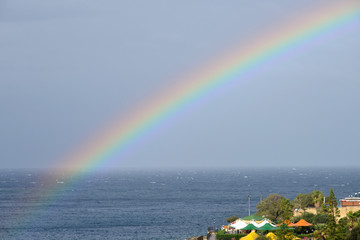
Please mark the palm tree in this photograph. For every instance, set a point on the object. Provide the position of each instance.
(354, 219)
(318, 197)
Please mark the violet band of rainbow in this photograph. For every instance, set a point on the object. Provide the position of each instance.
(127, 130)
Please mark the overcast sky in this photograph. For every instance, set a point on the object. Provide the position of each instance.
(69, 67)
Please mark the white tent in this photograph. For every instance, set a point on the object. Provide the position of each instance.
(239, 224)
(256, 223)
(262, 223)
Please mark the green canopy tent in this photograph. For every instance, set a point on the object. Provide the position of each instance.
(253, 217)
(250, 226)
(267, 227)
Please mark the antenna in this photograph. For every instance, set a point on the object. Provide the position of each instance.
(249, 197)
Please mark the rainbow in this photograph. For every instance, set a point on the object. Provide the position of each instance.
(125, 133)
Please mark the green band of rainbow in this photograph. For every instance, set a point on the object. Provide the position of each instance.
(125, 132)
(266, 48)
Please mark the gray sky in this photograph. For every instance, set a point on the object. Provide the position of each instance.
(68, 67)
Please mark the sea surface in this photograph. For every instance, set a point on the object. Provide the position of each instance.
(148, 204)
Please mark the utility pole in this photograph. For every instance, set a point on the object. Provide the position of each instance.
(249, 197)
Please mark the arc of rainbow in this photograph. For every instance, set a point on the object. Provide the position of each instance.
(126, 131)
(265, 48)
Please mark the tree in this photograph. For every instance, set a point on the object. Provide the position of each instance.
(353, 219)
(309, 217)
(318, 198)
(333, 204)
(342, 229)
(332, 212)
(354, 234)
(286, 212)
(231, 219)
(303, 200)
(270, 207)
(320, 218)
(319, 232)
(283, 232)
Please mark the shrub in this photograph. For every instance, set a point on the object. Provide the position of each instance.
(305, 235)
(320, 218)
(354, 234)
(231, 219)
(221, 235)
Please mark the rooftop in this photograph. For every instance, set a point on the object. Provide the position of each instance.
(351, 199)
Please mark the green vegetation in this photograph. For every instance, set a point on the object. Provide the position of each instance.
(221, 235)
(283, 232)
(231, 219)
(317, 197)
(353, 219)
(270, 207)
(326, 223)
(285, 210)
(354, 234)
(262, 237)
(332, 212)
(303, 201)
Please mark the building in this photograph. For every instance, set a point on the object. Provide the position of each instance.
(350, 201)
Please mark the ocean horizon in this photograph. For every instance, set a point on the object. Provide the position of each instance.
(150, 204)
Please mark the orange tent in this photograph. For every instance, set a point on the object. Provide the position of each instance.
(287, 222)
(301, 223)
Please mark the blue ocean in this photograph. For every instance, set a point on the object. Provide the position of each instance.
(151, 204)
